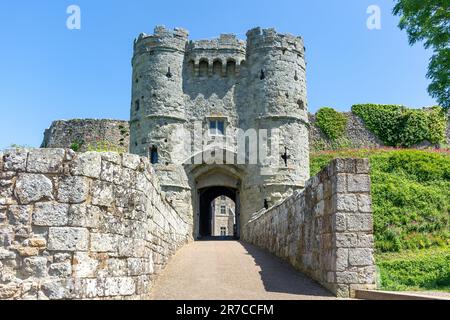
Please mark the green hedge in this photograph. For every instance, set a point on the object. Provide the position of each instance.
(331, 122)
(398, 126)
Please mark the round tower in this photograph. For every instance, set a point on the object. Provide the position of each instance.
(158, 113)
(277, 97)
(157, 105)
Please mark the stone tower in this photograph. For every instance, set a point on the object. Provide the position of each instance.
(276, 86)
(220, 87)
(158, 113)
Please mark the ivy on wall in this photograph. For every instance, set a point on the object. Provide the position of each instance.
(399, 126)
(331, 122)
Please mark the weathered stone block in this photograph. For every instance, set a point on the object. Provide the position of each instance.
(347, 277)
(6, 254)
(346, 202)
(33, 187)
(342, 290)
(113, 157)
(341, 259)
(60, 269)
(339, 183)
(139, 266)
(364, 203)
(88, 288)
(362, 166)
(117, 267)
(57, 289)
(119, 286)
(102, 193)
(365, 240)
(62, 257)
(9, 290)
(132, 248)
(344, 165)
(358, 183)
(360, 257)
(359, 222)
(36, 242)
(45, 160)
(131, 161)
(123, 197)
(88, 164)
(19, 215)
(28, 251)
(143, 285)
(82, 215)
(15, 160)
(84, 265)
(346, 240)
(339, 222)
(128, 178)
(50, 214)
(73, 189)
(101, 242)
(68, 239)
(35, 267)
(111, 172)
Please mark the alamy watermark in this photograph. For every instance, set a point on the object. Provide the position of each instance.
(374, 20)
(237, 147)
(73, 22)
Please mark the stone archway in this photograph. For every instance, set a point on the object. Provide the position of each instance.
(207, 182)
(206, 196)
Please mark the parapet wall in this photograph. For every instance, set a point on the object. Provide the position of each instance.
(326, 230)
(87, 225)
(87, 134)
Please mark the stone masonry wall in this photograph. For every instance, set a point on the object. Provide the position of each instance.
(82, 226)
(88, 133)
(326, 230)
(356, 134)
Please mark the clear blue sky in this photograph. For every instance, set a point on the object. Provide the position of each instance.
(48, 72)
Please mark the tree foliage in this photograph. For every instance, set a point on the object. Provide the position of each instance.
(429, 21)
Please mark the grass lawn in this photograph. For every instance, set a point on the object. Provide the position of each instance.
(416, 270)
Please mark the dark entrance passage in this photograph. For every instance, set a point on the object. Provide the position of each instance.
(207, 195)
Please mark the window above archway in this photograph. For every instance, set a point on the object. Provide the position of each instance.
(216, 127)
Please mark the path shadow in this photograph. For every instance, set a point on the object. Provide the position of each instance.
(278, 276)
(216, 238)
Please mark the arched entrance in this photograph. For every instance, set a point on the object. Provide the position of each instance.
(207, 220)
(207, 182)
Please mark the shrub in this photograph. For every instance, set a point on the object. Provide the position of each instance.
(76, 146)
(105, 146)
(397, 125)
(331, 122)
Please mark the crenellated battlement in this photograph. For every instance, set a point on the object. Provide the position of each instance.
(162, 38)
(260, 39)
(224, 42)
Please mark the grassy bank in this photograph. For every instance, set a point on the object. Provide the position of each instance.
(427, 269)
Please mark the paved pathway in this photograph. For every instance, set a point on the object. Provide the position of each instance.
(232, 270)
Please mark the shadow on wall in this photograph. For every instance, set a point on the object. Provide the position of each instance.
(278, 276)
